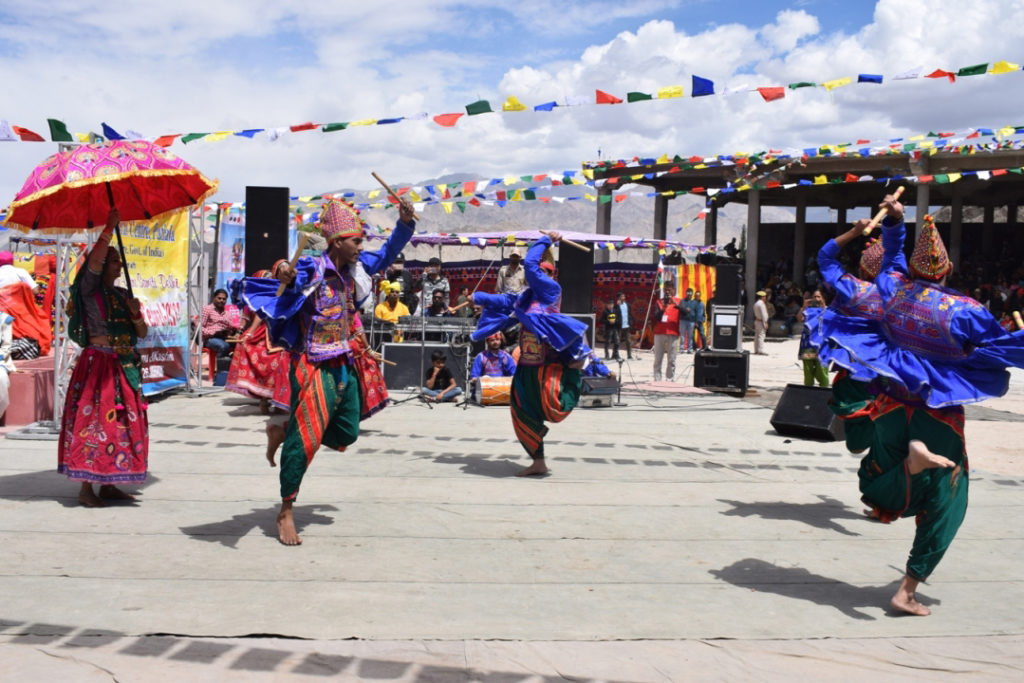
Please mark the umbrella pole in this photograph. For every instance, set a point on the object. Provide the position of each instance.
(120, 246)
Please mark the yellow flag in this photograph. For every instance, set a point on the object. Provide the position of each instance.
(589, 174)
(670, 92)
(219, 135)
(373, 194)
(836, 83)
(821, 180)
(517, 196)
(510, 180)
(916, 138)
(611, 247)
(511, 237)
(953, 177)
(447, 207)
(363, 122)
(1004, 67)
(1007, 131)
(513, 104)
(415, 197)
(590, 197)
(463, 240)
(82, 137)
(663, 159)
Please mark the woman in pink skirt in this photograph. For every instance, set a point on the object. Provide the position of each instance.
(104, 436)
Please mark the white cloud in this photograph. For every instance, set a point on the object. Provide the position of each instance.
(195, 66)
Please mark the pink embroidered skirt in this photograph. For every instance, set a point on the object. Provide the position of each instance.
(258, 371)
(104, 436)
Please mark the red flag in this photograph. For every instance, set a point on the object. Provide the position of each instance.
(998, 171)
(850, 178)
(166, 140)
(447, 120)
(770, 94)
(474, 201)
(939, 73)
(925, 178)
(604, 98)
(302, 126)
(500, 195)
(26, 135)
(619, 198)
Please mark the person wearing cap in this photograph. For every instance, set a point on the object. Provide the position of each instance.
(334, 378)
(433, 280)
(761, 319)
(512, 277)
(552, 350)
(398, 274)
(931, 351)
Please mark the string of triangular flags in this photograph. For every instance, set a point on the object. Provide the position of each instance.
(699, 87)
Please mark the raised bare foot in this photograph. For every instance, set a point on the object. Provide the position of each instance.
(920, 458)
(275, 437)
(88, 498)
(111, 492)
(286, 532)
(538, 467)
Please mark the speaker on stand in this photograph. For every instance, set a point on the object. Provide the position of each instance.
(266, 227)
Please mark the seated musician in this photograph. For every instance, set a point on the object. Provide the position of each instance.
(493, 361)
(391, 309)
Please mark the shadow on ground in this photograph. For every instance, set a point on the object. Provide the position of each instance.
(229, 532)
(51, 486)
(796, 582)
(818, 515)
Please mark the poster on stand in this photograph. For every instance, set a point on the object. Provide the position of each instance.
(157, 254)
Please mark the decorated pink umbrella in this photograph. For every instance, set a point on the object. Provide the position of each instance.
(74, 190)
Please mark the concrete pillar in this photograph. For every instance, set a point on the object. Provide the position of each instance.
(604, 219)
(988, 231)
(800, 243)
(753, 233)
(923, 197)
(956, 228)
(660, 221)
(711, 226)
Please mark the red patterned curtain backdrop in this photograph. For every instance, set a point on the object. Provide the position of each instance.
(638, 281)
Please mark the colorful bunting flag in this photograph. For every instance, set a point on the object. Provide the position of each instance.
(770, 94)
(939, 73)
(513, 104)
(479, 107)
(836, 83)
(669, 92)
(27, 135)
(1002, 67)
(701, 87)
(976, 70)
(110, 133)
(59, 131)
(638, 96)
(447, 120)
(869, 78)
(602, 97)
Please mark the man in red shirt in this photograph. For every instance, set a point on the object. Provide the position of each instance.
(666, 336)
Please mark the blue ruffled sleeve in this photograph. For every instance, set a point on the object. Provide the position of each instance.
(283, 314)
(377, 261)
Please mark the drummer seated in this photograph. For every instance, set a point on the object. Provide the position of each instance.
(493, 361)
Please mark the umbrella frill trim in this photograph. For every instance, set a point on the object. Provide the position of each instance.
(35, 196)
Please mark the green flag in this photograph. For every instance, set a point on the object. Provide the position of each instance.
(975, 70)
(58, 131)
(637, 96)
(331, 127)
(185, 139)
(802, 84)
(479, 107)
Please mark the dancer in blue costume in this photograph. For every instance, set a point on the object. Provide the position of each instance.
(921, 355)
(552, 350)
(316, 319)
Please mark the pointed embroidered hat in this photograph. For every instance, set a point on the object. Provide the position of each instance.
(929, 260)
(340, 219)
(871, 260)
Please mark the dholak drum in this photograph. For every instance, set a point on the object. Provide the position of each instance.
(494, 391)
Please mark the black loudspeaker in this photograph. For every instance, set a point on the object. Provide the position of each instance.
(727, 284)
(599, 385)
(576, 275)
(804, 412)
(724, 371)
(726, 328)
(588, 318)
(409, 372)
(266, 227)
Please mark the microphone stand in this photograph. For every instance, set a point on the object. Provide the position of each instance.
(618, 389)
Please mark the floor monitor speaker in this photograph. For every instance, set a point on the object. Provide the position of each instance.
(726, 328)
(724, 371)
(803, 411)
(410, 372)
(266, 227)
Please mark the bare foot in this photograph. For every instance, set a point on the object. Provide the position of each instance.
(286, 525)
(275, 437)
(905, 599)
(111, 492)
(920, 458)
(88, 498)
(538, 467)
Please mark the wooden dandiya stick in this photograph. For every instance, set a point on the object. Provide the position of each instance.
(452, 309)
(388, 362)
(303, 236)
(1017, 320)
(391, 192)
(569, 242)
(881, 212)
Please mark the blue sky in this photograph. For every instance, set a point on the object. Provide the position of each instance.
(199, 66)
